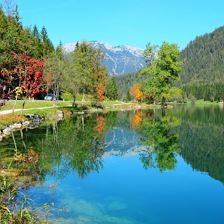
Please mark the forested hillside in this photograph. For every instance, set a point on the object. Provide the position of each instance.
(203, 68)
(125, 82)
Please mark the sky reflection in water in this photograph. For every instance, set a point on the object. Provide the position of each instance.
(132, 167)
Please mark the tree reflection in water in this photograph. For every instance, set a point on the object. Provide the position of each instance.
(80, 143)
(159, 133)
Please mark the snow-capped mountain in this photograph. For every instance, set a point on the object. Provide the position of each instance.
(119, 60)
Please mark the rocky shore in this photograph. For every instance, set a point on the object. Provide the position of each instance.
(32, 121)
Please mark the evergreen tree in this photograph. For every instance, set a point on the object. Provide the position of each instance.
(37, 51)
(47, 46)
(128, 97)
(36, 33)
(111, 89)
(59, 50)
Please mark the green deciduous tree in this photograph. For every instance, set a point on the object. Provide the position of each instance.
(85, 73)
(162, 71)
(54, 70)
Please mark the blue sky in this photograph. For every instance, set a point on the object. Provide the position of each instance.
(133, 22)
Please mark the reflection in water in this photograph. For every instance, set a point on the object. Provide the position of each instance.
(202, 140)
(159, 133)
(99, 148)
(80, 143)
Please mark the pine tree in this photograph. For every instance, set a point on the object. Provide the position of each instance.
(47, 46)
(111, 89)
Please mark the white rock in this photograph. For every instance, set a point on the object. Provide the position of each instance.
(18, 125)
(25, 123)
(7, 131)
(60, 114)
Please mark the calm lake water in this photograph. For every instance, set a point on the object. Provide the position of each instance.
(128, 167)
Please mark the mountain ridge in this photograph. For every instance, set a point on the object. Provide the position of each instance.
(119, 59)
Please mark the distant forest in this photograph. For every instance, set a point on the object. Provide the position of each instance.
(202, 75)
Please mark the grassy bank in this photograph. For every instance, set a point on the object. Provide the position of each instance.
(32, 104)
(10, 118)
(47, 109)
(202, 103)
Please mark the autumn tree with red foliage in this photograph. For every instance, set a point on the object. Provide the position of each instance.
(17, 69)
(6, 84)
(30, 75)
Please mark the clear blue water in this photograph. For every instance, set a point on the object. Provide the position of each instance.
(139, 168)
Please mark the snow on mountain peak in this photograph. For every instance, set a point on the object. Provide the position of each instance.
(119, 59)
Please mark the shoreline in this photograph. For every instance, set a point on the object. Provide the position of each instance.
(44, 113)
(48, 111)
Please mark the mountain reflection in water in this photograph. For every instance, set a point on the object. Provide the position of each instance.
(124, 167)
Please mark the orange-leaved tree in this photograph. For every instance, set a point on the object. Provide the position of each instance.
(100, 124)
(136, 92)
(136, 119)
(100, 92)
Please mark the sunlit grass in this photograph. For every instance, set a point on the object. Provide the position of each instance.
(33, 104)
(202, 103)
(10, 119)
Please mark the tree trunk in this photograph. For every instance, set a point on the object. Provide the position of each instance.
(56, 93)
(83, 124)
(163, 112)
(14, 105)
(83, 98)
(163, 104)
(23, 106)
(74, 104)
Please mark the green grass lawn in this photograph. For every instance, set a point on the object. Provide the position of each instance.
(34, 104)
(49, 114)
(111, 103)
(202, 103)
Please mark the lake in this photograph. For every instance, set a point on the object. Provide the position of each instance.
(133, 167)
